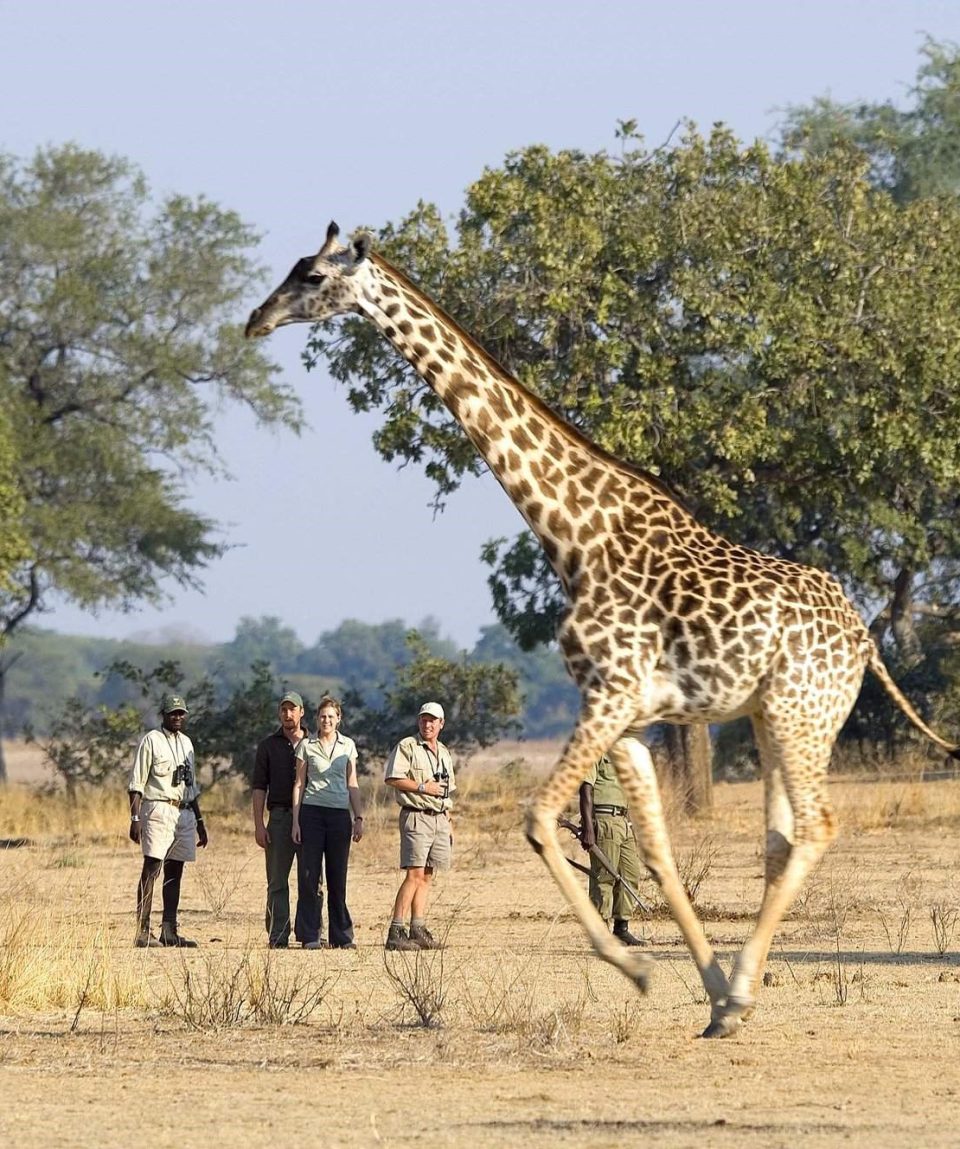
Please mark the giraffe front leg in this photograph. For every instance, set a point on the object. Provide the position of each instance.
(639, 780)
(579, 755)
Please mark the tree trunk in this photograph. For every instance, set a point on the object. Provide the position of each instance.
(691, 765)
(901, 619)
(3, 757)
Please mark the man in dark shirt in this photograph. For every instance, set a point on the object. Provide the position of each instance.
(273, 775)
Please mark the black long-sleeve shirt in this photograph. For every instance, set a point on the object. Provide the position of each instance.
(275, 768)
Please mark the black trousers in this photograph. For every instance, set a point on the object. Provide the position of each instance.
(325, 836)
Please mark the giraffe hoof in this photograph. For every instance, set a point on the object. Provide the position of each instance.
(725, 1026)
(640, 967)
(726, 1021)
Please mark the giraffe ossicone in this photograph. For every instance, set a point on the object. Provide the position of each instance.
(667, 621)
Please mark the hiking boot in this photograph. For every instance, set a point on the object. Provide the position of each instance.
(625, 937)
(170, 937)
(319, 944)
(278, 945)
(397, 939)
(145, 940)
(343, 945)
(424, 938)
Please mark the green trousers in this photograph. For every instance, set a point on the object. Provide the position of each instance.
(280, 853)
(615, 838)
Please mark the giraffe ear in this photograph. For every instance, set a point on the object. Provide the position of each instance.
(362, 246)
(330, 243)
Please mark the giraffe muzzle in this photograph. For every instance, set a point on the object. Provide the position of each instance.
(256, 327)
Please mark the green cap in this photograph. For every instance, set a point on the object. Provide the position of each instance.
(292, 696)
(171, 702)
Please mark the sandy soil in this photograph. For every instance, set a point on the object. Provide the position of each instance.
(856, 1040)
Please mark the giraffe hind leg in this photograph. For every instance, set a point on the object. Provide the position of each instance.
(800, 766)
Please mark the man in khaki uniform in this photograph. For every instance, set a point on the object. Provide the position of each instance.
(420, 770)
(165, 819)
(605, 822)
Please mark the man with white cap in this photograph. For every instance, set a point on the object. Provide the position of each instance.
(420, 770)
(165, 819)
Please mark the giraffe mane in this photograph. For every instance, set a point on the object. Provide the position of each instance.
(543, 408)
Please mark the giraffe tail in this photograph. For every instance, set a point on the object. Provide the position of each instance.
(876, 664)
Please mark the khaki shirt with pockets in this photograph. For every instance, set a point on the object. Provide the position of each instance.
(412, 758)
(607, 790)
(158, 756)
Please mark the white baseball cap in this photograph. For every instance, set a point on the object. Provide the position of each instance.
(433, 709)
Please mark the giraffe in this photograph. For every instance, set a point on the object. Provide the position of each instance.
(666, 620)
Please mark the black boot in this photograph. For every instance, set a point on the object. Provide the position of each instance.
(621, 931)
(170, 937)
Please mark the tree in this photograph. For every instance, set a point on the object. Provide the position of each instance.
(95, 746)
(118, 341)
(481, 701)
(771, 332)
(914, 152)
(14, 548)
(366, 657)
(264, 640)
(550, 700)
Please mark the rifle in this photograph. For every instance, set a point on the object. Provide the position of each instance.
(605, 862)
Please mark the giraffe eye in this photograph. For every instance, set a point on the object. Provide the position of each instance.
(315, 278)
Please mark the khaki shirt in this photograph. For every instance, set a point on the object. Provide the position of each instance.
(607, 791)
(158, 756)
(412, 758)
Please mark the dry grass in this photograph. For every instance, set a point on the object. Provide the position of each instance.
(512, 1014)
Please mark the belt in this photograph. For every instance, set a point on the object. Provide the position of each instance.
(617, 811)
(279, 806)
(171, 802)
(429, 813)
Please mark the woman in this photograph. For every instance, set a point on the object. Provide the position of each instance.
(327, 814)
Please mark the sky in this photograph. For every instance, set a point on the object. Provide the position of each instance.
(296, 112)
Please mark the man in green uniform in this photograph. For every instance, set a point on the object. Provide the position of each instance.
(605, 822)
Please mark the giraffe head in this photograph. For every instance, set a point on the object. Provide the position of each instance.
(318, 287)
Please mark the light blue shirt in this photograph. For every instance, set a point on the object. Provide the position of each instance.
(327, 773)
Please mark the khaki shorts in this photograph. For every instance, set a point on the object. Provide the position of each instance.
(167, 833)
(425, 840)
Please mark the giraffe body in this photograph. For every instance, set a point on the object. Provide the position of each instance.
(667, 621)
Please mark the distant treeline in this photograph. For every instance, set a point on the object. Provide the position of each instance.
(49, 668)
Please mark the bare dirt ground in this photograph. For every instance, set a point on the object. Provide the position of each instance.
(533, 1041)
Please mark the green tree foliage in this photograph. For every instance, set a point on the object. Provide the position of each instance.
(48, 669)
(550, 700)
(364, 657)
(914, 152)
(94, 745)
(265, 640)
(481, 701)
(53, 673)
(14, 548)
(118, 344)
(91, 747)
(773, 333)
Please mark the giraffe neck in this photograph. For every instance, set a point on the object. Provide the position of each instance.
(562, 484)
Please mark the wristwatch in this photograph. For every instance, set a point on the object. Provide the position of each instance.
(421, 789)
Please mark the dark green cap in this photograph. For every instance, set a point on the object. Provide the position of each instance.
(171, 702)
(292, 696)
